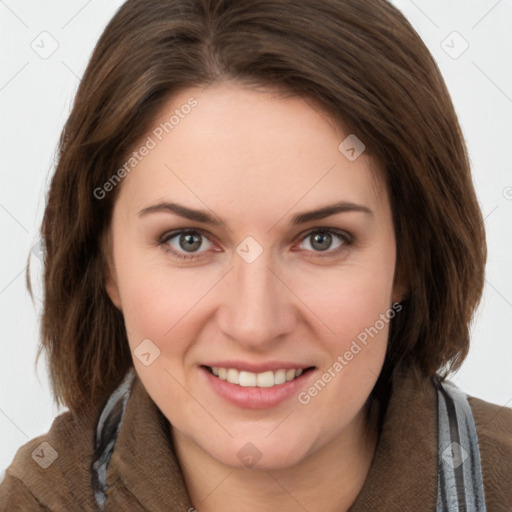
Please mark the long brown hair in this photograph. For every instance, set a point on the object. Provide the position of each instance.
(363, 63)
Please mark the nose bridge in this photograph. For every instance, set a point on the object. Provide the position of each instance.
(257, 308)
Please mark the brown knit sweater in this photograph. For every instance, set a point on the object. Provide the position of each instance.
(144, 473)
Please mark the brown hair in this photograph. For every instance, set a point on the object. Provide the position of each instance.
(363, 63)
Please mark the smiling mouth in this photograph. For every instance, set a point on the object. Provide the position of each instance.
(266, 379)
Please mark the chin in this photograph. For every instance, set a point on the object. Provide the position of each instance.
(260, 453)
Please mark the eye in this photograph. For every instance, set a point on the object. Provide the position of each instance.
(185, 243)
(322, 240)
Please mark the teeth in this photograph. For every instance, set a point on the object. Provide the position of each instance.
(261, 380)
(233, 376)
(280, 377)
(246, 379)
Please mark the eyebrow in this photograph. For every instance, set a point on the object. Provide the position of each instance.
(301, 218)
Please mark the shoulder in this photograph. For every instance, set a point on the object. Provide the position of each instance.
(16, 497)
(51, 471)
(494, 429)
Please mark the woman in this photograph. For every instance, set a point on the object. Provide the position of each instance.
(263, 255)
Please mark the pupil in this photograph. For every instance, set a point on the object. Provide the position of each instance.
(190, 241)
(322, 237)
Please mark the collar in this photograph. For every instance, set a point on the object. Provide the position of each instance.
(144, 473)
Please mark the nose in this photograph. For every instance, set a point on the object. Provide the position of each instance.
(258, 307)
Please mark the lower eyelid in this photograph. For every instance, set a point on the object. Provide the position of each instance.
(344, 238)
(173, 235)
(164, 240)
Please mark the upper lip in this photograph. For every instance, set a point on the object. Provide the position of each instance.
(258, 367)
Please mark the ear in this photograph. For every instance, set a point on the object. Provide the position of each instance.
(399, 294)
(109, 272)
(400, 288)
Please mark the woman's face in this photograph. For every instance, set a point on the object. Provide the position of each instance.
(232, 183)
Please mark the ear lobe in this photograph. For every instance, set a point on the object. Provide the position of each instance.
(112, 289)
(110, 278)
(400, 290)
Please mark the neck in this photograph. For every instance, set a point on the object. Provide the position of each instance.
(327, 480)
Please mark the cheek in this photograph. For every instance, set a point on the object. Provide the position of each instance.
(359, 347)
(357, 311)
(158, 301)
(354, 305)
(348, 300)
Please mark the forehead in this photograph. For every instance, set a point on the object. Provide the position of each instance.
(232, 146)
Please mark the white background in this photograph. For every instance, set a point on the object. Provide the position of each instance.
(35, 99)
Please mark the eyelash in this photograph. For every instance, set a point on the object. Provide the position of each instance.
(345, 237)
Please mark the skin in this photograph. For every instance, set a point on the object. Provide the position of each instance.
(254, 160)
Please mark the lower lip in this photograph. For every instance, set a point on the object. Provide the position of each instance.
(252, 397)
